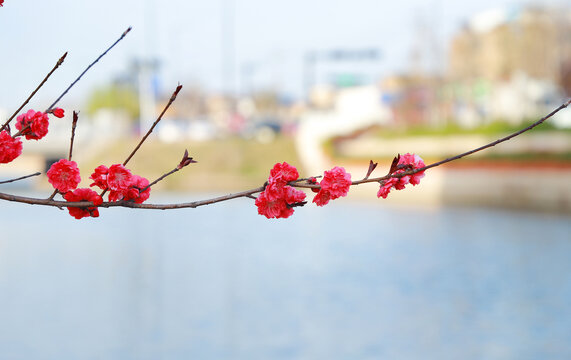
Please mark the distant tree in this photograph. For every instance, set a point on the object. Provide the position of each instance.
(114, 96)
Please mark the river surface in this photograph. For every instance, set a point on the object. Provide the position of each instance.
(347, 281)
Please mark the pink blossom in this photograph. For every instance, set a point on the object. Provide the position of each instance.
(34, 124)
(293, 196)
(279, 206)
(64, 175)
(278, 199)
(406, 162)
(417, 163)
(386, 187)
(272, 208)
(58, 112)
(83, 195)
(99, 177)
(274, 191)
(119, 178)
(322, 198)
(283, 173)
(10, 148)
(133, 192)
(335, 184)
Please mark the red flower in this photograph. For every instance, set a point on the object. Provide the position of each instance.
(281, 206)
(335, 184)
(99, 177)
(64, 175)
(292, 195)
(321, 198)
(133, 192)
(406, 162)
(1, 3)
(283, 173)
(83, 195)
(278, 199)
(386, 187)
(10, 148)
(34, 123)
(272, 208)
(122, 185)
(416, 162)
(273, 191)
(58, 112)
(119, 178)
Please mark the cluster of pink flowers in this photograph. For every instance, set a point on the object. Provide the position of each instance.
(278, 199)
(121, 183)
(32, 124)
(64, 176)
(335, 184)
(83, 195)
(118, 180)
(406, 162)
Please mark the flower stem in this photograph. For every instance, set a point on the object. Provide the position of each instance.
(73, 125)
(20, 178)
(86, 69)
(171, 100)
(60, 61)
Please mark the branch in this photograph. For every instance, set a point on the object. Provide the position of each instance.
(89, 67)
(20, 178)
(249, 193)
(59, 62)
(171, 100)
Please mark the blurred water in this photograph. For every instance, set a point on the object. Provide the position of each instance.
(348, 281)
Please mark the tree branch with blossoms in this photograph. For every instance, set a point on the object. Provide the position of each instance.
(276, 198)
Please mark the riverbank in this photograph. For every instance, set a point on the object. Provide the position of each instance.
(542, 190)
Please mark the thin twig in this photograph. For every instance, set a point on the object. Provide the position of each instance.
(73, 124)
(53, 195)
(186, 160)
(20, 178)
(171, 100)
(86, 69)
(159, 179)
(59, 62)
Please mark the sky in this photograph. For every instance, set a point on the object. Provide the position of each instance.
(229, 45)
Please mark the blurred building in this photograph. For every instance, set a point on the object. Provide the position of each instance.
(510, 64)
(497, 44)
